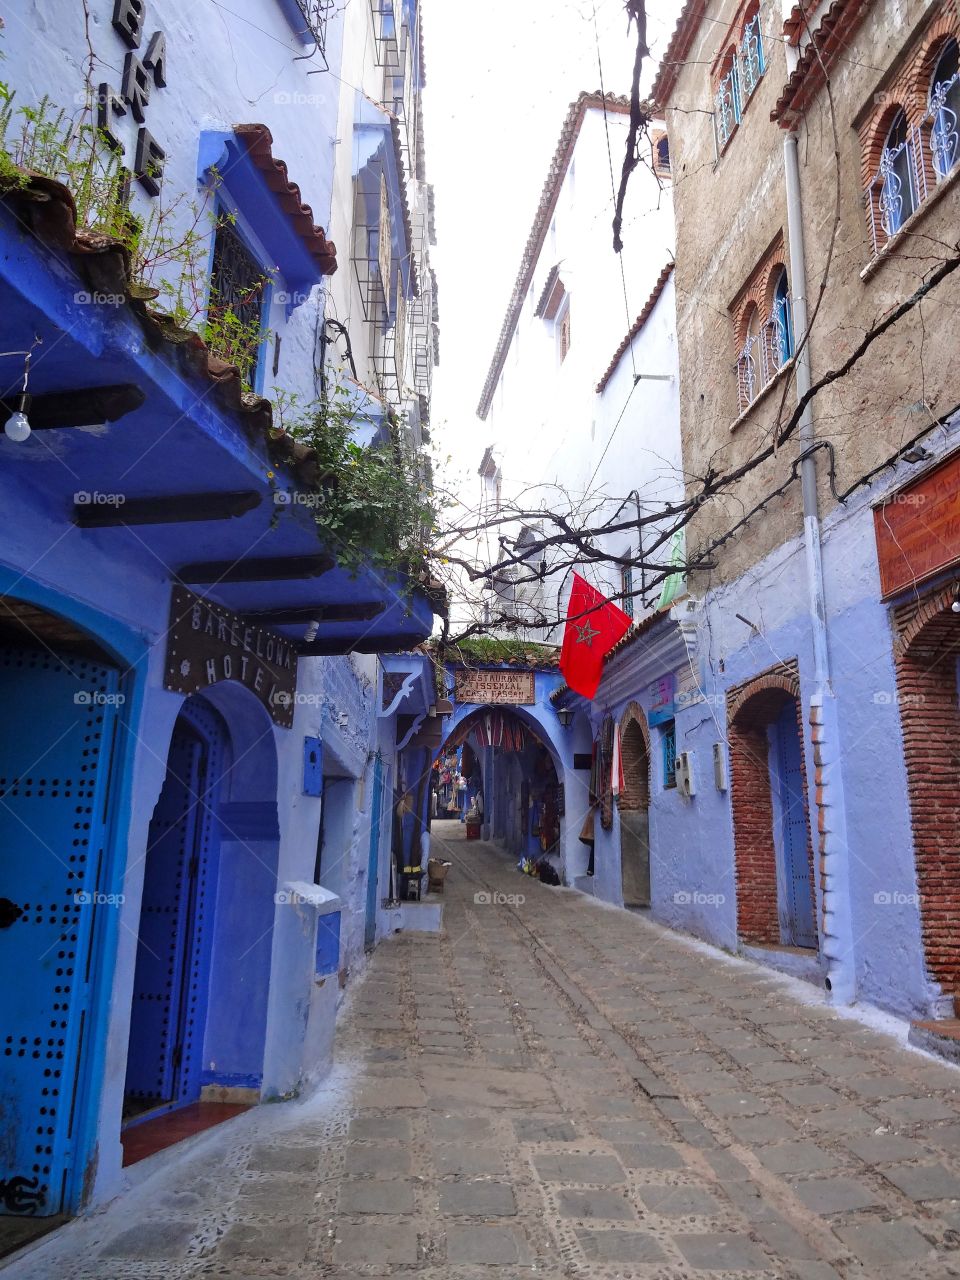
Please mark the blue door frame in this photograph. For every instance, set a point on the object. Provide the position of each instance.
(798, 915)
(373, 861)
(171, 982)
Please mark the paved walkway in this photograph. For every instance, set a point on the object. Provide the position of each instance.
(556, 1089)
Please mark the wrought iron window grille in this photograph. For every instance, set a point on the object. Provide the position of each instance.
(921, 156)
(237, 286)
(746, 68)
(764, 353)
(317, 15)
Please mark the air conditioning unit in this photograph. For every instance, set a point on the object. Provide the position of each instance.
(683, 772)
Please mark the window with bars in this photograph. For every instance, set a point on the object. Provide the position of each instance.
(626, 588)
(563, 333)
(917, 154)
(741, 71)
(234, 329)
(668, 744)
(767, 343)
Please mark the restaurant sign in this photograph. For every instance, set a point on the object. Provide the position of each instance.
(517, 687)
(918, 528)
(207, 643)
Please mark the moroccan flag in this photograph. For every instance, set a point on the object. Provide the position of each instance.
(594, 625)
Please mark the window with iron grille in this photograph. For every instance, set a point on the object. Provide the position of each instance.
(316, 14)
(626, 588)
(237, 284)
(668, 742)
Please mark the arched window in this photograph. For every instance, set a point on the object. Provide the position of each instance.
(781, 322)
(945, 109)
(727, 102)
(749, 377)
(898, 192)
(663, 154)
(752, 62)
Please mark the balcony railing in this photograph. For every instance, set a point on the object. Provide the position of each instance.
(727, 106)
(909, 172)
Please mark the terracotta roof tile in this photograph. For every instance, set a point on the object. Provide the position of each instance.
(541, 222)
(835, 29)
(258, 140)
(678, 47)
(47, 208)
(637, 325)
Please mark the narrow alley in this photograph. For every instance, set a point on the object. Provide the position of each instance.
(555, 1088)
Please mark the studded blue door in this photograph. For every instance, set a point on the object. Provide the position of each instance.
(373, 862)
(793, 818)
(56, 744)
(164, 1059)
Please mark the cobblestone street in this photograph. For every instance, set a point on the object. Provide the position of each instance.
(554, 1088)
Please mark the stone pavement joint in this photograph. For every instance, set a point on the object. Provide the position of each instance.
(558, 1089)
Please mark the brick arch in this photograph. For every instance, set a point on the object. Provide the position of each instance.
(785, 679)
(945, 28)
(873, 135)
(926, 653)
(751, 709)
(749, 13)
(635, 755)
(774, 272)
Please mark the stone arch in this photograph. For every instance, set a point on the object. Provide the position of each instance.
(752, 710)
(926, 655)
(635, 756)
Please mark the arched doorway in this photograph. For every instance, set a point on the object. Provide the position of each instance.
(168, 1016)
(514, 769)
(206, 924)
(774, 852)
(63, 700)
(927, 655)
(634, 807)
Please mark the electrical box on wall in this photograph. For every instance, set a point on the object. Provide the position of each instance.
(719, 767)
(683, 772)
(312, 767)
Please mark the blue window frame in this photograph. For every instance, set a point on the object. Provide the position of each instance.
(782, 320)
(668, 743)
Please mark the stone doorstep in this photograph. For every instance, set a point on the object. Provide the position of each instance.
(940, 1036)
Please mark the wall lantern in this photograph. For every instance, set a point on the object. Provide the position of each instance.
(565, 716)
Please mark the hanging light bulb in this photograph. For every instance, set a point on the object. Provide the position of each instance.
(311, 632)
(17, 426)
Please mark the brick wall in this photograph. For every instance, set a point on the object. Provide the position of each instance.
(635, 754)
(751, 708)
(926, 662)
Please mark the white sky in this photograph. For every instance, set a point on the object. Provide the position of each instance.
(500, 76)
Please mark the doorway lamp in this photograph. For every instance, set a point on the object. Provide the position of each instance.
(565, 716)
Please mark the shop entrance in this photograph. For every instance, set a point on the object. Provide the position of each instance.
(634, 810)
(61, 702)
(164, 1061)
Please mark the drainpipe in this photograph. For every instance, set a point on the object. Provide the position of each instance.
(836, 922)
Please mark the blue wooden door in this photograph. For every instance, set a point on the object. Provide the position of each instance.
(800, 923)
(56, 745)
(373, 862)
(167, 1020)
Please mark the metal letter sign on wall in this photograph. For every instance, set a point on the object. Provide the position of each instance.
(207, 644)
(516, 687)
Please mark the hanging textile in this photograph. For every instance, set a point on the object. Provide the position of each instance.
(617, 766)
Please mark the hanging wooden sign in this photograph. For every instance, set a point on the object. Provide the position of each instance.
(207, 644)
(498, 685)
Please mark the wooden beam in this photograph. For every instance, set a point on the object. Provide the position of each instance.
(180, 508)
(267, 569)
(84, 407)
(317, 613)
(360, 644)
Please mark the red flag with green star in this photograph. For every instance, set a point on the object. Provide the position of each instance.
(594, 625)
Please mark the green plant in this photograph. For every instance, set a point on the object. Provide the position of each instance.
(490, 650)
(376, 504)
